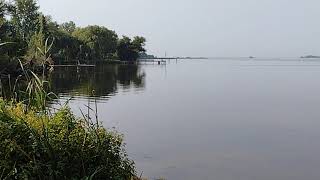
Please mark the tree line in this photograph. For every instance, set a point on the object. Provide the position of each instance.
(30, 34)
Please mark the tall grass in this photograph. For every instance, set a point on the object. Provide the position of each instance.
(29, 87)
(60, 146)
(37, 94)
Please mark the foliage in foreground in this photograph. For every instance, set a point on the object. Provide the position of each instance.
(35, 145)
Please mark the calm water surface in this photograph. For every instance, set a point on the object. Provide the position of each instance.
(224, 119)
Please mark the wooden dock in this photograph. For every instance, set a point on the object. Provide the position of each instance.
(158, 61)
(139, 61)
(78, 65)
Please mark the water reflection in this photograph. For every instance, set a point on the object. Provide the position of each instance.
(103, 80)
(209, 119)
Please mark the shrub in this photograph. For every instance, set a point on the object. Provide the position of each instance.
(36, 145)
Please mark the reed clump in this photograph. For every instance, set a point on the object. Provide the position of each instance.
(35, 145)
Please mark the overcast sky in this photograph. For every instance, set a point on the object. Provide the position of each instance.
(264, 28)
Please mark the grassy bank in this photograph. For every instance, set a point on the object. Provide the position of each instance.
(36, 145)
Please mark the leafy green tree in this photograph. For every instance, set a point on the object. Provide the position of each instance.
(69, 27)
(123, 49)
(139, 43)
(25, 17)
(128, 50)
(66, 48)
(101, 41)
(2, 13)
(19, 27)
(3, 28)
(16, 47)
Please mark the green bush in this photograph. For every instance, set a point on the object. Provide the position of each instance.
(39, 146)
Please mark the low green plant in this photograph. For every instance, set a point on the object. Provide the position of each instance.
(58, 146)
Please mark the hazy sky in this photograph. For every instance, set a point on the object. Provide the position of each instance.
(268, 28)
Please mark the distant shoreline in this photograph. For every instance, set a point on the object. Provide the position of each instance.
(310, 57)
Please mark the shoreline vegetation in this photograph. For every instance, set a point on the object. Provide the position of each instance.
(37, 142)
(30, 36)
